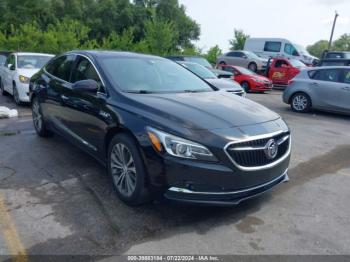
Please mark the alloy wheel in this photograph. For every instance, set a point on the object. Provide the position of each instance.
(37, 117)
(123, 170)
(300, 102)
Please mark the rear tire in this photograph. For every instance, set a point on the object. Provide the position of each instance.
(301, 103)
(127, 170)
(253, 67)
(38, 120)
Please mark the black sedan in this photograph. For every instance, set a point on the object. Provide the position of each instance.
(160, 129)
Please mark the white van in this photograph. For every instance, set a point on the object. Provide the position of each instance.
(279, 47)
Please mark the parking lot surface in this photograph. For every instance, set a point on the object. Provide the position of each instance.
(55, 199)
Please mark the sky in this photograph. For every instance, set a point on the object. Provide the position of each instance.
(301, 21)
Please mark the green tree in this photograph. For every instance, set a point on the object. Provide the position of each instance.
(342, 43)
(160, 37)
(213, 53)
(237, 43)
(123, 42)
(318, 48)
(186, 29)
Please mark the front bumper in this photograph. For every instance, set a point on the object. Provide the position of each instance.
(23, 92)
(262, 87)
(223, 198)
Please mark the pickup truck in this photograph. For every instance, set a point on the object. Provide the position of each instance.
(17, 71)
(281, 70)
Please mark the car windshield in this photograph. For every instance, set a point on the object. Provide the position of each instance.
(302, 50)
(3, 59)
(199, 70)
(296, 63)
(32, 61)
(151, 75)
(252, 55)
(245, 71)
(199, 60)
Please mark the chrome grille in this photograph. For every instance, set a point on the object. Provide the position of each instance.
(252, 154)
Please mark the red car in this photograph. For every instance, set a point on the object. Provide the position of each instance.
(282, 70)
(249, 80)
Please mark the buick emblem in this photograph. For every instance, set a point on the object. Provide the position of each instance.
(271, 149)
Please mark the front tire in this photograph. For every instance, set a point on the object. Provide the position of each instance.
(127, 171)
(245, 85)
(2, 88)
(38, 119)
(16, 95)
(301, 103)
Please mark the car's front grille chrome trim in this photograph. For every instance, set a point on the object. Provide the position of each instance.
(282, 140)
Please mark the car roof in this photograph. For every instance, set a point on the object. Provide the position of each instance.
(174, 56)
(335, 59)
(108, 53)
(34, 54)
(325, 67)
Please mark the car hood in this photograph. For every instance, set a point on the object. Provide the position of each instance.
(225, 84)
(27, 72)
(262, 78)
(206, 110)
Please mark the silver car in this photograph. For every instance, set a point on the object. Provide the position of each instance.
(244, 59)
(323, 88)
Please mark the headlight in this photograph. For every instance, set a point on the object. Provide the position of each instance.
(24, 79)
(258, 80)
(178, 147)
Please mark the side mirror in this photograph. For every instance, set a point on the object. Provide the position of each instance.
(11, 67)
(86, 86)
(244, 57)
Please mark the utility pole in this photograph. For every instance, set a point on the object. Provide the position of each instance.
(331, 40)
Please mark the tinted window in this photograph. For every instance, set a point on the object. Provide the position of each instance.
(338, 55)
(272, 46)
(280, 63)
(290, 50)
(235, 54)
(61, 67)
(32, 61)
(200, 61)
(10, 60)
(200, 71)
(335, 63)
(151, 75)
(347, 76)
(3, 59)
(330, 75)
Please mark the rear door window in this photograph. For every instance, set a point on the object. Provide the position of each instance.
(329, 75)
(271, 46)
(347, 76)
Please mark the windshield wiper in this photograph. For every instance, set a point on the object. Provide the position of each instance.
(195, 91)
(139, 92)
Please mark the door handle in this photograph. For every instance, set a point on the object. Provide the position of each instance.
(315, 84)
(346, 88)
